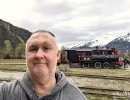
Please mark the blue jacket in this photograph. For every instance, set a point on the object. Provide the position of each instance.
(22, 89)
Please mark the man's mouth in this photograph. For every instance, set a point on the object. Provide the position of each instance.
(41, 63)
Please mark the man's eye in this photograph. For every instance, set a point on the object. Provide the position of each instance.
(33, 49)
(46, 48)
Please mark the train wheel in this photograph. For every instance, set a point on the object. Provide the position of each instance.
(97, 65)
(106, 65)
(116, 66)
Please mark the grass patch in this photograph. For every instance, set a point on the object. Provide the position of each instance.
(12, 60)
(103, 72)
(15, 67)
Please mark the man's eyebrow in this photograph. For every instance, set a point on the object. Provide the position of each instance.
(32, 46)
(47, 43)
(44, 43)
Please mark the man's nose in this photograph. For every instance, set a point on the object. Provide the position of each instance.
(40, 53)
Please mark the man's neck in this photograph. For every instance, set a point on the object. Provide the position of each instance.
(44, 84)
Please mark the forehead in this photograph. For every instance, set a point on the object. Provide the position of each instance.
(42, 37)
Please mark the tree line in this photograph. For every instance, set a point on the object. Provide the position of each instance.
(9, 53)
(19, 52)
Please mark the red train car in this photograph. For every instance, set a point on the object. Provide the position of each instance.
(98, 57)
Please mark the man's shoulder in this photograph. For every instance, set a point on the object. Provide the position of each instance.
(74, 91)
(72, 87)
(10, 90)
(8, 87)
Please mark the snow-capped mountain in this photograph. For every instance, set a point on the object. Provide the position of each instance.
(99, 41)
(121, 43)
(71, 45)
(123, 38)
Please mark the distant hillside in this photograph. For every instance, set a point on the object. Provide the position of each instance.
(12, 33)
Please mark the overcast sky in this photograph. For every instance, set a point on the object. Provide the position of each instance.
(71, 21)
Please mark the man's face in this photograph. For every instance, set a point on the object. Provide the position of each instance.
(41, 54)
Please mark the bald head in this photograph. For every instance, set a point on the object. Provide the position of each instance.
(44, 31)
(43, 35)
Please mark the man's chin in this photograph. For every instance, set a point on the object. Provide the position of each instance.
(41, 73)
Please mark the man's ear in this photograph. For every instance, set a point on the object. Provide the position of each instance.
(25, 54)
(58, 54)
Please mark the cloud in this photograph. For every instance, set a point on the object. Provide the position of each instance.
(14, 9)
(52, 8)
(70, 20)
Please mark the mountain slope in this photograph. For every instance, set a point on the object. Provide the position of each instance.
(121, 43)
(12, 33)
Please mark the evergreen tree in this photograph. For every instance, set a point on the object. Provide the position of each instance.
(20, 50)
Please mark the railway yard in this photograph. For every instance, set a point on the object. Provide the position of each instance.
(95, 86)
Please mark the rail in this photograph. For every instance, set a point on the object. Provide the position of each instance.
(100, 77)
(97, 91)
(108, 92)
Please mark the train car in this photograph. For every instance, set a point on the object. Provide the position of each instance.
(98, 57)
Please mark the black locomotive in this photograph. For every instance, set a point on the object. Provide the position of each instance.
(97, 57)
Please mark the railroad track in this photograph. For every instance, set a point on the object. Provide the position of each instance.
(7, 69)
(108, 92)
(100, 77)
(4, 79)
(12, 63)
(79, 75)
(97, 91)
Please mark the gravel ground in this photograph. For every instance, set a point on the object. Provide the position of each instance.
(101, 83)
(80, 81)
(8, 74)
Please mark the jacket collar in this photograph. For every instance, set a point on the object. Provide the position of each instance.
(28, 88)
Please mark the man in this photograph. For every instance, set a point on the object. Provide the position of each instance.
(126, 62)
(41, 81)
